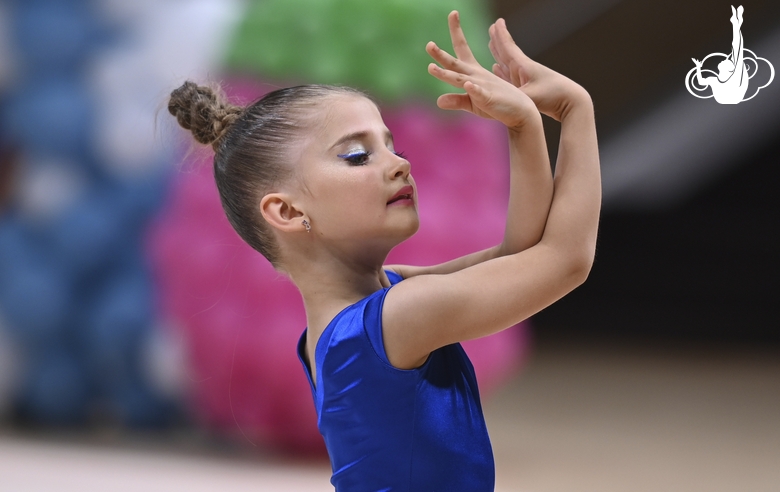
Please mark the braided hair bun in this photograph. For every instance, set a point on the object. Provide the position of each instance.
(204, 111)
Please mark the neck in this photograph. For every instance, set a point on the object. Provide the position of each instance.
(328, 282)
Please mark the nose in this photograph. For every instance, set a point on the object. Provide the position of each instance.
(401, 167)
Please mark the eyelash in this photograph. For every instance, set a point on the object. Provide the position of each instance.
(359, 158)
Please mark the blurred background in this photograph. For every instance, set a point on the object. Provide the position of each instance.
(143, 345)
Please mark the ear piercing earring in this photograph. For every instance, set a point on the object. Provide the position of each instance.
(306, 225)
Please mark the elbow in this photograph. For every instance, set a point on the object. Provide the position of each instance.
(581, 265)
(575, 261)
(585, 270)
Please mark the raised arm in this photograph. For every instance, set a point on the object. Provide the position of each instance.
(736, 39)
(701, 80)
(530, 189)
(425, 312)
(556, 96)
(530, 184)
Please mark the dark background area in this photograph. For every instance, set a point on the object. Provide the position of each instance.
(705, 268)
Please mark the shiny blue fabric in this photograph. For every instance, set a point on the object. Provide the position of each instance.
(388, 429)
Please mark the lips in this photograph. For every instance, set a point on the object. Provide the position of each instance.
(405, 192)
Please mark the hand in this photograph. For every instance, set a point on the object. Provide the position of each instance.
(697, 62)
(487, 95)
(552, 93)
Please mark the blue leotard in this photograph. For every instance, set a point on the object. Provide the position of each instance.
(395, 430)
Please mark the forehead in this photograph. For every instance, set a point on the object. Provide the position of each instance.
(347, 114)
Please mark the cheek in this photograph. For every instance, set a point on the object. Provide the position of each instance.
(361, 192)
(354, 193)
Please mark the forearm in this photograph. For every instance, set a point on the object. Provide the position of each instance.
(530, 188)
(574, 214)
(457, 264)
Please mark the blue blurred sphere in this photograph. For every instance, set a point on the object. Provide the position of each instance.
(137, 200)
(52, 35)
(120, 315)
(51, 116)
(139, 407)
(13, 246)
(37, 304)
(57, 389)
(34, 293)
(86, 235)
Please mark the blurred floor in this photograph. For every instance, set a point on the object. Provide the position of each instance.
(578, 418)
(640, 419)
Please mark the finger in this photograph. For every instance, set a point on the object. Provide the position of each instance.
(494, 51)
(459, 43)
(454, 102)
(493, 45)
(475, 92)
(479, 98)
(505, 44)
(455, 79)
(500, 68)
(500, 72)
(446, 60)
(501, 54)
(503, 67)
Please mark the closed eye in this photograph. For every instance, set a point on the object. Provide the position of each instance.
(400, 154)
(358, 158)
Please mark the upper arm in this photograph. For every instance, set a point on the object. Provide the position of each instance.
(407, 271)
(430, 311)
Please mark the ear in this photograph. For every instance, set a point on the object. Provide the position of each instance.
(278, 211)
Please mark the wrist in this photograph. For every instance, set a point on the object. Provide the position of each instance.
(532, 121)
(578, 101)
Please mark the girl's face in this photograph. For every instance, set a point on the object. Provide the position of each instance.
(350, 171)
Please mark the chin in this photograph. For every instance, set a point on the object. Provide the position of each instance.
(413, 229)
(405, 233)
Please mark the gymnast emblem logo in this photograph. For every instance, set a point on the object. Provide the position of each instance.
(735, 70)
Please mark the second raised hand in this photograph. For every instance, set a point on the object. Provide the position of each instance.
(487, 94)
(552, 92)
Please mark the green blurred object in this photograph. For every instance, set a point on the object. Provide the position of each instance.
(374, 45)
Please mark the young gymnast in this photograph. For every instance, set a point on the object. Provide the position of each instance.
(731, 84)
(310, 178)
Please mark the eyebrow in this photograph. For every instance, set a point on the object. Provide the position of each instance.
(359, 136)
